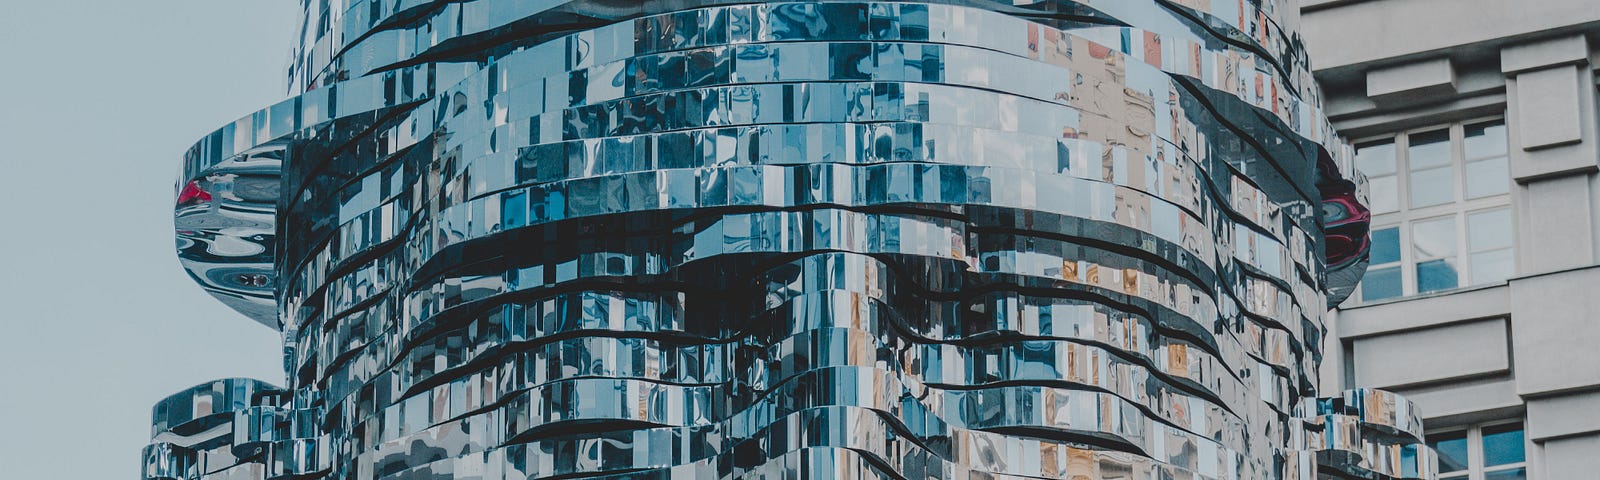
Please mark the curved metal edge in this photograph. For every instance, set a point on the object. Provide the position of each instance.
(216, 397)
(1366, 434)
(1346, 225)
(225, 224)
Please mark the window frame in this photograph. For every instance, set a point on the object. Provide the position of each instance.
(1461, 208)
(1476, 470)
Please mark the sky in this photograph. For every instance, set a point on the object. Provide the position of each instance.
(98, 101)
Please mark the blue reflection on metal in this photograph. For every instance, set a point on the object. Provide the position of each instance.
(519, 239)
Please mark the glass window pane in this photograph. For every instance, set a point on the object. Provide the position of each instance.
(1488, 177)
(1380, 283)
(1486, 139)
(1436, 275)
(1493, 266)
(1385, 245)
(1384, 193)
(1489, 230)
(1452, 450)
(1502, 445)
(1433, 238)
(1376, 159)
(1433, 187)
(1512, 474)
(1429, 149)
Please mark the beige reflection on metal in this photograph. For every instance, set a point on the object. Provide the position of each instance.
(521, 238)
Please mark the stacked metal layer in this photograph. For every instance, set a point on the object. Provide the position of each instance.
(966, 238)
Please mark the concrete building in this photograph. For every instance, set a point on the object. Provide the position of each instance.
(1475, 123)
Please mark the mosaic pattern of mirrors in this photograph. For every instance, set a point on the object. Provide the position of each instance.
(515, 239)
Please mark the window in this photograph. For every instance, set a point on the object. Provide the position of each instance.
(1487, 452)
(1440, 199)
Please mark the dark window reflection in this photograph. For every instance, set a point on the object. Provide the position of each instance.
(1430, 149)
(1380, 283)
(1486, 139)
(1432, 170)
(1512, 474)
(1452, 450)
(1436, 275)
(1377, 161)
(1385, 245)
(1502, 445)
(1486, 170)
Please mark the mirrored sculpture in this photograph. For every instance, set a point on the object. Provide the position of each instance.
(855, 239)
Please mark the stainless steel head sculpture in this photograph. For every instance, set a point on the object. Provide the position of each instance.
(953, 239)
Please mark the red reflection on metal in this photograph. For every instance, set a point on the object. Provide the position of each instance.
(192, 194)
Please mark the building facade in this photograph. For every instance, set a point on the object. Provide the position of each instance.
(1475, 125)
(704, 239)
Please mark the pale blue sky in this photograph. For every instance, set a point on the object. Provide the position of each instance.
(98, 100)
